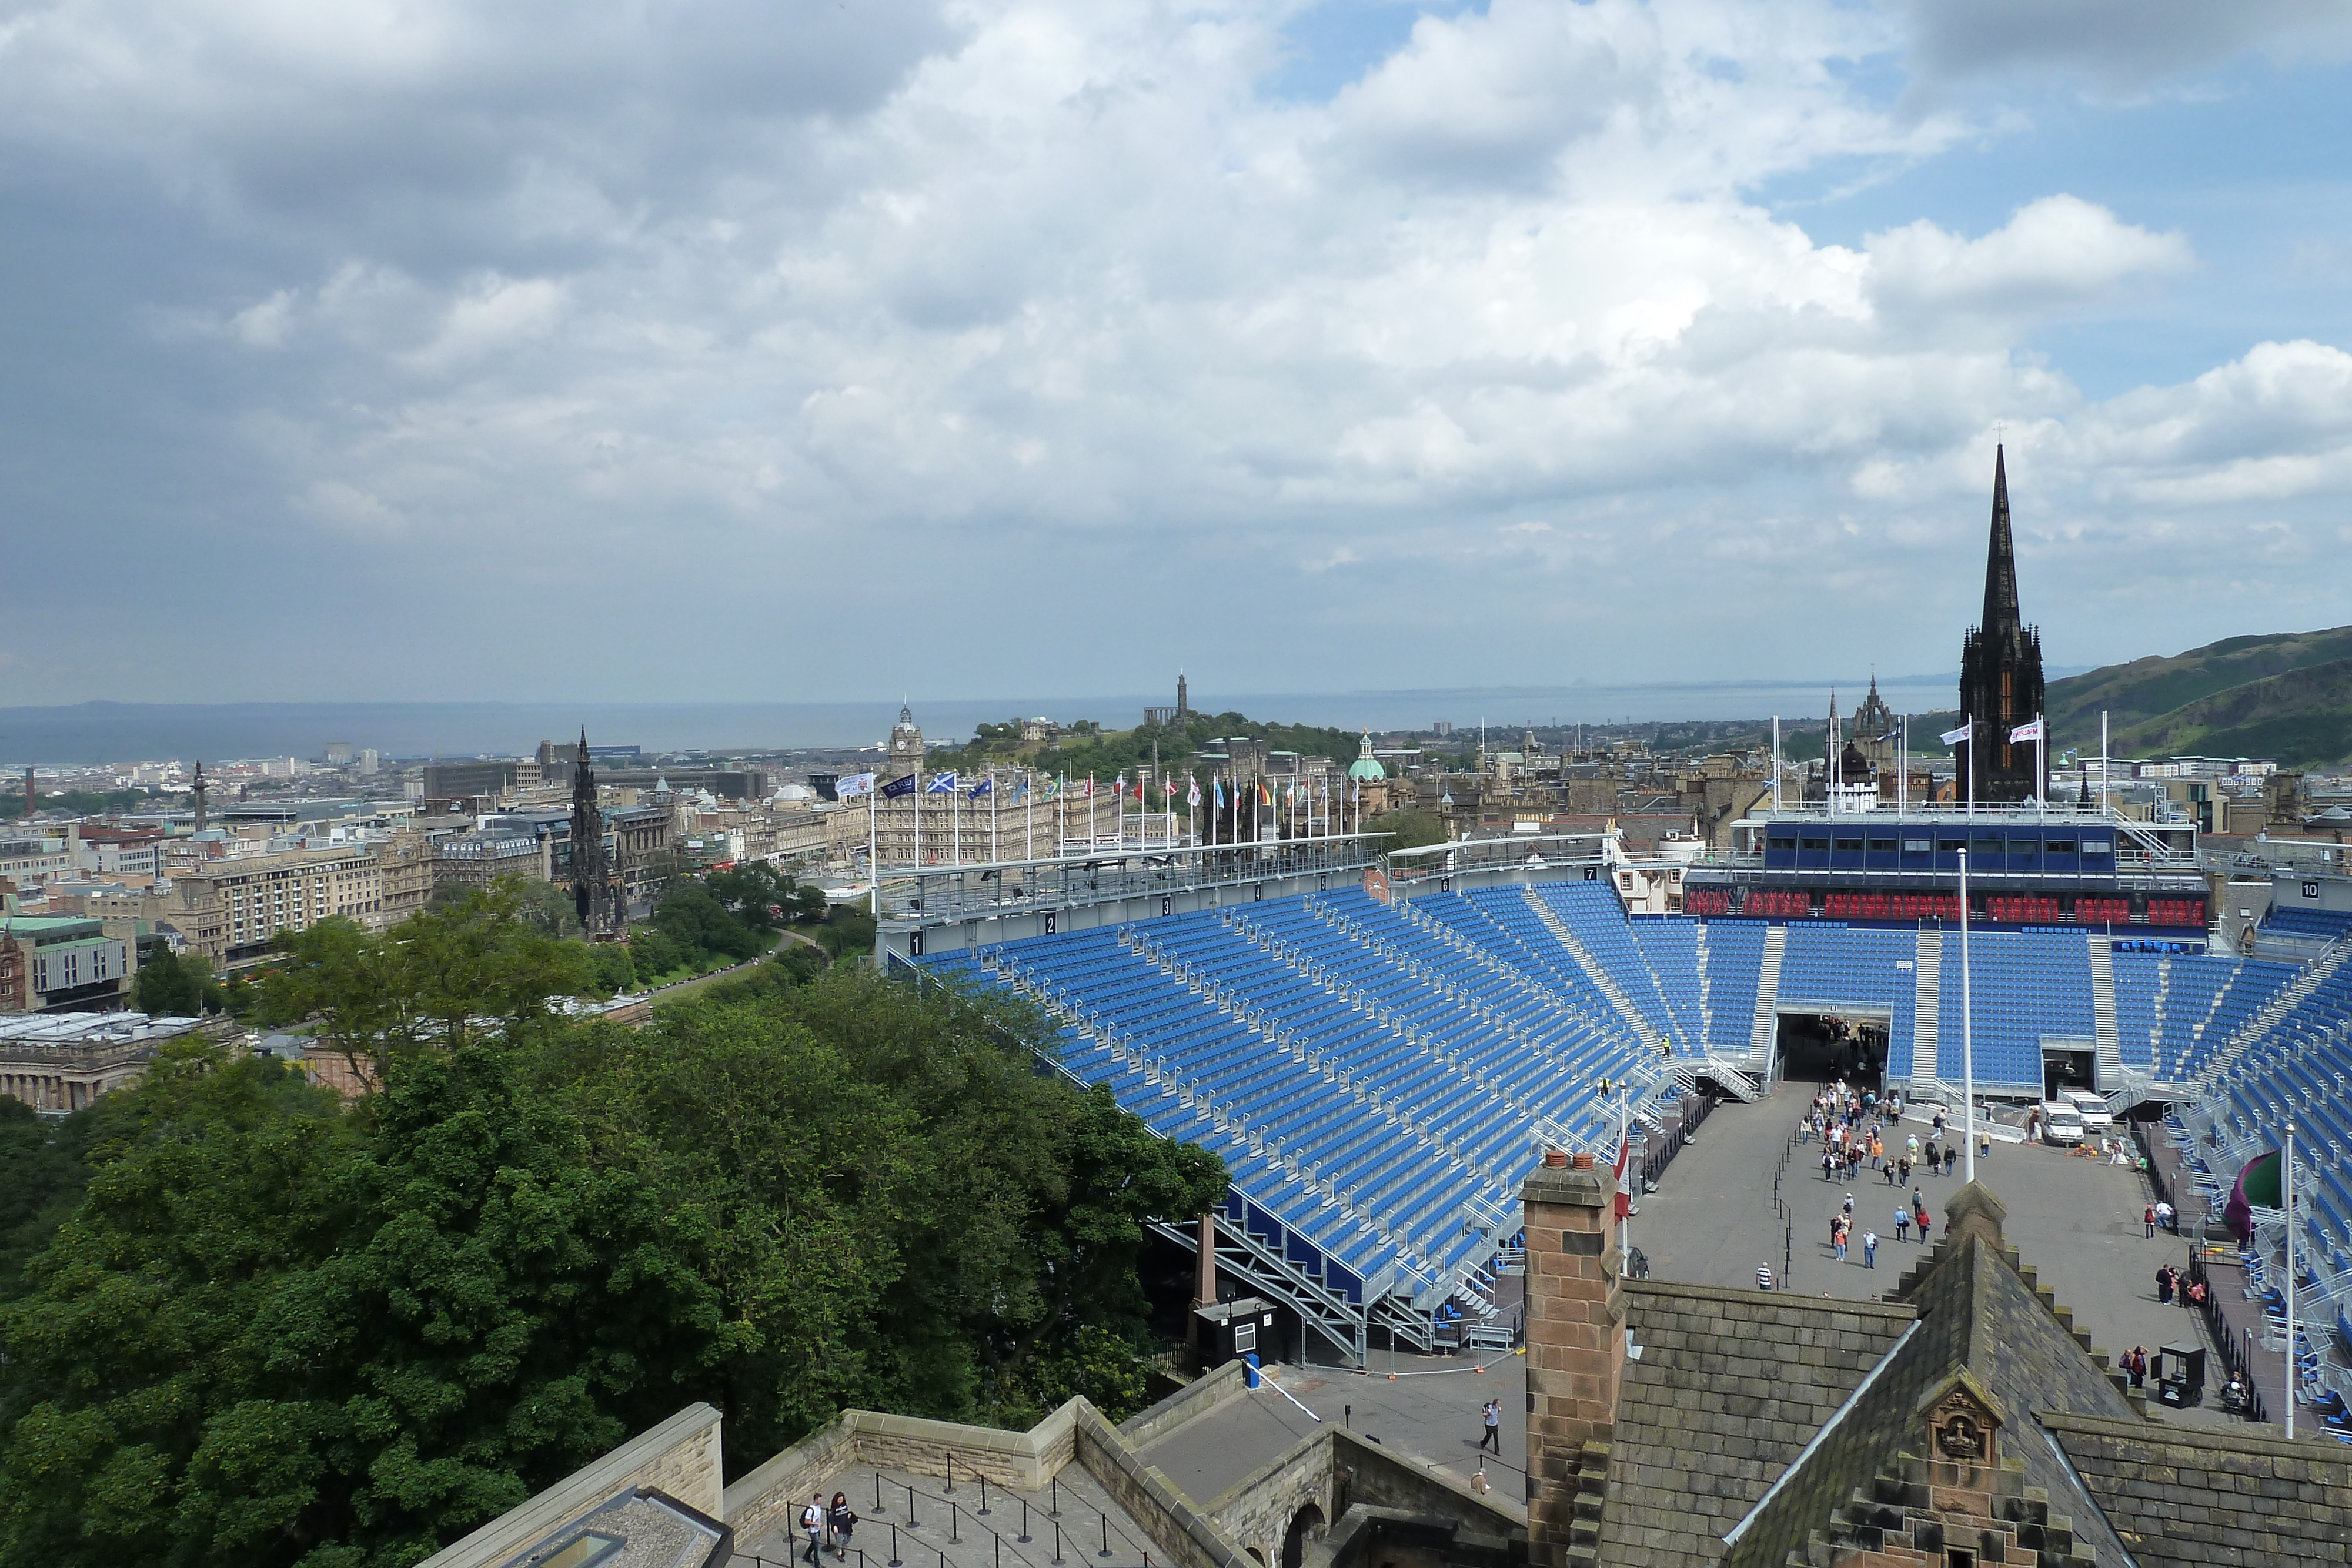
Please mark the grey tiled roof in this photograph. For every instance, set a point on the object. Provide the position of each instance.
(1730, 1387)
(1978, 1312)
(2193, 1497)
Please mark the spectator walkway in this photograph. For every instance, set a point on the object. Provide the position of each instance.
(2077, 1222)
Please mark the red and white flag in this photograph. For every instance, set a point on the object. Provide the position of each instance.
(1625, 1152)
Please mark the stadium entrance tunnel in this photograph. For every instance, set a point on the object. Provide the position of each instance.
(2068, 1068)
(1819, 1047)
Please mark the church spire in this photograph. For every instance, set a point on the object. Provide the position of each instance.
(2001, 614)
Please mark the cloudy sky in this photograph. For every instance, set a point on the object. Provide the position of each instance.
(792, 349)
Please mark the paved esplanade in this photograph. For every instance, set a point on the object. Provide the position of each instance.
(2076, 1221)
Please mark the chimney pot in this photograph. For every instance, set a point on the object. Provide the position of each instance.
(1581, 1161)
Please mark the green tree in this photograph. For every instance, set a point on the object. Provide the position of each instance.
(176, 984)
(43, 1171)
(612, 967)
(436, 979)
(693, 917)
(850, 928)
(333, 1339)
(1412, 829)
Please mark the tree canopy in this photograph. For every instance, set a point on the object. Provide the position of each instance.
(242, 1323)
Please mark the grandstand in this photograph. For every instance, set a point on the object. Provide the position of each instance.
(1379, 1068)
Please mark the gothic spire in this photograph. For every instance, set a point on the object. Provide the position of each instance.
(2001, 559)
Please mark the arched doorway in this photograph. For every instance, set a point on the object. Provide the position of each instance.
(1306, 1525)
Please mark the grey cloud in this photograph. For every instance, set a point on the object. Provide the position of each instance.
(2117, 48)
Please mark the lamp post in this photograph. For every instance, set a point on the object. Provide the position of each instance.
(1967, 1035)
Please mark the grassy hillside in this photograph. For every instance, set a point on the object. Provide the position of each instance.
(2287, 695)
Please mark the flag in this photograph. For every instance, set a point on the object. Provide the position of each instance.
(1090, 784)
(2259, 1186)
(944, 784)
(1053, 787)
(899, 787)
(1168, 788)
(1219, 785)
(2030, 730)
(985, 787)
(1624, 1199)
(1954, 736)
(1194, 799)
(854, 785)
(1119, 786)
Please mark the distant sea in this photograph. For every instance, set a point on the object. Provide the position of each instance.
(130, 732)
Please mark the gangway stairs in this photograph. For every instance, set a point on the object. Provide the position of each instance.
(2108, 1039)
(1926, 1003)
(1644, 1029)
(1763, 1035)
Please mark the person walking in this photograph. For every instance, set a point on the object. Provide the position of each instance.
(1870, 1248)
(1493, 1435)
(1905, 1164)
(813, 1526)
(2135, 1365)
(2164, 1286)
(1902, 1223)
(1924, 1221)
(840, 1520)
(1838, 1236)
(1849, 1206)
(2148, 1219)
(1763, 1276)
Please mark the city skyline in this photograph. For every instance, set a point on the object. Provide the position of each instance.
(734, 356)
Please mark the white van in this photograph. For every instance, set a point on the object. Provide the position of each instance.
(2061, 1123)
(2093, 1107)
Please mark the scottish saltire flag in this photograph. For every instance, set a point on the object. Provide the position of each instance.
(944, 784)
(2030, 730)
(897, 787)
(1954, 736)
(985, 787)
(856, 784)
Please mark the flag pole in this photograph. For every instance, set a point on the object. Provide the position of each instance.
(1968, 1022)
(873, 837)
(916, 800)
(2102, 759)
(955, 821)
(1902, 769)
(2286, 1193)
(1776, 762)
(992, 814)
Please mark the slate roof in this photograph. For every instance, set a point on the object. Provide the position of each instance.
(2196, 1497)
(1980, 1310)
(1730, 1387)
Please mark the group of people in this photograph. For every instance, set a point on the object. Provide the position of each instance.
(2159, 1214)
(1851, 1135)
(827, 1526)
(1914, 1213)
(2177, 1285)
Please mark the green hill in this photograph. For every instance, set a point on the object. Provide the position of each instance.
(2286, 696)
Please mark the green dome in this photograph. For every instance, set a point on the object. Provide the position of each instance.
(1366, 768)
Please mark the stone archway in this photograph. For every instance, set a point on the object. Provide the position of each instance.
(1306, 1526)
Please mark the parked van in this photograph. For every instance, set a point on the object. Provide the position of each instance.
(2093, 1107)
(2061, 1123)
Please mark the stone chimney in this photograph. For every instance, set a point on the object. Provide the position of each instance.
(1575, 1340)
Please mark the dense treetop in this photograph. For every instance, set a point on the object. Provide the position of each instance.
(242, 1323)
